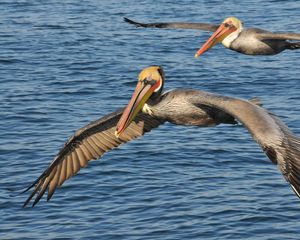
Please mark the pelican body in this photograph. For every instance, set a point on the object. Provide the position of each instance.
(149, 108)
(232, 34)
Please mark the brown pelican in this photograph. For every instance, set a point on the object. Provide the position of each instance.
(251, 41)
(149, 108)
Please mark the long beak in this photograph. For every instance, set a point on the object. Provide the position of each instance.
(142, 92)
(222, 32)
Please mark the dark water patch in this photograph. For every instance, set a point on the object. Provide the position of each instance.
(10, 61)
(50, 27)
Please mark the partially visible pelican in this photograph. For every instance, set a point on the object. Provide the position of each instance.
(232, 34)
(149, 108)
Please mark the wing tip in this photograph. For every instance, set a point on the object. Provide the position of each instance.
(130, 21)
(295, 190)
(32, 194)
(138, 24)
(28, 200)
(126, 19)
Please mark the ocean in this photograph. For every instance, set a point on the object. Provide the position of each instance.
(66, 63)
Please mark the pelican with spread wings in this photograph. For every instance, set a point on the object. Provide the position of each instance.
(232, 34)
(148, 108)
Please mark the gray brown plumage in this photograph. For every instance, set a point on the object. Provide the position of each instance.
(174, 25)
(89, 142)
(148, 108)
(250, 41)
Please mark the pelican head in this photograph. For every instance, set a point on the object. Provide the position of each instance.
(150, 84)
(227, 32)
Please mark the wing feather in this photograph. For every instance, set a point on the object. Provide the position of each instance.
(99, 141)
(175, 25)
(54, 181)
(96, 151)
(76, 162)
(288, 156)
(89, 142)
(82, 160)
(86, 151)
(70, 167)
(62, 175)
(278, 36)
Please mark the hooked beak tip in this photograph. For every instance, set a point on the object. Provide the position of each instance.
(117, 134)
(196, 55)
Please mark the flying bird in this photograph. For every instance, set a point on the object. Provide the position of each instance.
(232, 34)
(148, 108)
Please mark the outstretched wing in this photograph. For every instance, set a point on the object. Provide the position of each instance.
(278, 36)
(89, 142)
(280, 145)
(178, 25)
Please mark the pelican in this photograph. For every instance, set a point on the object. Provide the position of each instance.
(232, 34)
(149, 108)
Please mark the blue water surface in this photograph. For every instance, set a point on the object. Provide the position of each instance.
(65, 63)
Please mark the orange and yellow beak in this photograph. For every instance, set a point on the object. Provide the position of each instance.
(222, 32)
(142, 93)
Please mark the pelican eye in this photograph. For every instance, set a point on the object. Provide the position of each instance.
(150, 82)
(226, 24)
